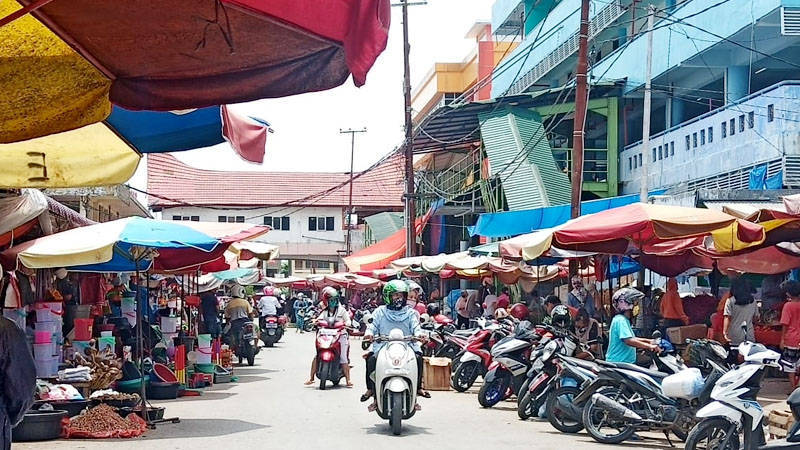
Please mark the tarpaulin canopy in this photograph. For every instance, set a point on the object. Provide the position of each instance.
(168, 131)
(20, 214)
(512, 223)
(123, 245)
(657, 229)
(352, 281)
(87, 157)
(284, 282)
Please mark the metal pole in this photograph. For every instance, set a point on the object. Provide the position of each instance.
(580, 110)
(352, 133)
(646, 110)
(410, 209)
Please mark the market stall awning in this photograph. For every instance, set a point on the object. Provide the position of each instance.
(512, 223)
(229, 232)
(122, 245)
(657, 229)
(352, 281)
(20, 213)
(87, 157)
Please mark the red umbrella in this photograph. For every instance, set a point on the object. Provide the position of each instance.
(169, 55)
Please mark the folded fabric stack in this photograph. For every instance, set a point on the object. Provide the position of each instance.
(77, 374)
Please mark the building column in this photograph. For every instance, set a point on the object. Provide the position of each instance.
(676, 107)
(737, 79)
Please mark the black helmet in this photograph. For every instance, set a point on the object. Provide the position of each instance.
(434, 310)
(560, 317)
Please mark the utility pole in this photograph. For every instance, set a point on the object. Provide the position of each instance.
(352, 134)
(410, 207)
(580, 110)
(646, 110)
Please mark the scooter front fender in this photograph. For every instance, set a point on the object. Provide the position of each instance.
(469, 356)
(717, 409)
(397, 384)
(494, 373)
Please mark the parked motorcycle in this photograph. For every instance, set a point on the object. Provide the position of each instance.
(735, 411)
(477, 357)
(244, 343)
(573, 375)
(396, 379)
(309, 314)
(271, 330)
(638, 399)
(511, 361)
(329, 351)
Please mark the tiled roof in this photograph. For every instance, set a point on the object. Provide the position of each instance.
(182, 184)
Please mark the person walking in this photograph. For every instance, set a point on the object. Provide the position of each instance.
(740, 309)
(462, 310)
(209, 307)
(790, 334)
(17, 379)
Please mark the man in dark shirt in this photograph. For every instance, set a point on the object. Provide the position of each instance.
(17, 379)
(210, 311)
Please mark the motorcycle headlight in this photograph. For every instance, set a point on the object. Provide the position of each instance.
(396, 353)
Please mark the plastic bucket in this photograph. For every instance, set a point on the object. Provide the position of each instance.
(169, 324)
(203, 340)
(83, 329)
(44, 351)
(203, 355)
(42, 337)
(47, 312)
(46, 368)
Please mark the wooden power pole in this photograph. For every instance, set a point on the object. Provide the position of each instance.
(580, 110)
(352, 134)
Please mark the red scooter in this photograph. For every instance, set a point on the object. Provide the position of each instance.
(477, 356)
(329, 351)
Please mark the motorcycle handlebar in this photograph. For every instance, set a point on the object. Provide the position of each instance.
(404, 339)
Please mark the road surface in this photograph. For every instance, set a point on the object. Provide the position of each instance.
(269, 407)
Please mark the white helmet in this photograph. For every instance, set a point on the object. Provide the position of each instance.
(424, 318)
(500, 313)
(237, 291)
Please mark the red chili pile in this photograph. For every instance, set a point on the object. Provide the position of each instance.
(103, 422)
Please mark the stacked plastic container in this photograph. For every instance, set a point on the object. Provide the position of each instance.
(48, 338)
(129, 309)
(169, 328)
(82, 334)
(203, 350)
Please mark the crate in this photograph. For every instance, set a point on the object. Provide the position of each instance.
(678, 335)
(779, 423)
(436, 374)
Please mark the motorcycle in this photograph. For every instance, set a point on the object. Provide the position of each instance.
(476, 357)
(396, 380)
(638, 399)
(328, 352)
(508, 371)
(244, 344)
(573, 375)
(271, 330)
(735, 410)
(309, 314)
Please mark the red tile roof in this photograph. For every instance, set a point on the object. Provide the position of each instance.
(180, 184)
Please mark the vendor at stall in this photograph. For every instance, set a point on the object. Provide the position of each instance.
(69, 293)
(17, 379)
(114, 296)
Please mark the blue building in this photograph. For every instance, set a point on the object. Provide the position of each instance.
(725, 110)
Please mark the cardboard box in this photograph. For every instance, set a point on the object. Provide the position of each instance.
(678, 335)
(436, 374)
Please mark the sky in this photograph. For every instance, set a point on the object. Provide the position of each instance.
(306, 126)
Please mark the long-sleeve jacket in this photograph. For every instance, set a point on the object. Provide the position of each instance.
(17, 379)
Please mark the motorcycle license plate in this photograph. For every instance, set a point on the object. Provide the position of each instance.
(272, 325)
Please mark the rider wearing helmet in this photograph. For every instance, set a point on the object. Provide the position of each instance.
(267, 305)
(334, 311)
(560, 317)
(395, 313)
(623, 343)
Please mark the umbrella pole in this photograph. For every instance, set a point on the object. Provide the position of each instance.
(140, 344)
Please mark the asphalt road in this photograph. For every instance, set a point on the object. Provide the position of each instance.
(269, 407)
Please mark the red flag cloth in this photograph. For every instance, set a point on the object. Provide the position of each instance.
(247, 136)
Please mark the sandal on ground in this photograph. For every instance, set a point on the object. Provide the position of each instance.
(309, 382)
(424, 394)
(349, 385)
(366, 396)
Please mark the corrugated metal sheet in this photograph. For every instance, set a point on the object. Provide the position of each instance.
(520, 155)
(384, 224)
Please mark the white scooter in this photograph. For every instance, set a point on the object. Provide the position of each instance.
(735, 409)
(396, 379)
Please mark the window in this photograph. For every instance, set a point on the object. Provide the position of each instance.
(702, 137)
(635, 162)
(285, 223)
(741, 123)
(724, 129)
(195, 219)
(710, 134)
(185, 218)
(268, 221)
(222, 219)
(330, 223)
(733, 126)
(688, 142)
(770, 113)
(654, 154)
(239, 219)
(672, 148)
(660, 152)
(321, 223)
(694, 140)
(231, 219)
(630, 164)
(751, 119)
(640, 160)
(176, 217)
(312, 224)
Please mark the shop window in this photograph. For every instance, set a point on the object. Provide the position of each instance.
(724, 129)
(770, 113)
(741, 123)
(672, 148)
(702, 137)
(710, 134)
(733, 126)
(751, 119)
(222, 219)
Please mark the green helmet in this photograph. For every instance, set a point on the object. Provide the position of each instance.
(391, 287)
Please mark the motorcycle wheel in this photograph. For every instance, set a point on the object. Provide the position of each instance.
(465, 375)
(559, 403)
(396, 419)
(324, 373)
(525, 406)
(251, 355)
(595, 420)
(493, 392)
(709, 435)
(523, 389)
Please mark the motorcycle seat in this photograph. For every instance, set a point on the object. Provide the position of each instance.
(633, 367)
